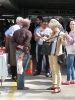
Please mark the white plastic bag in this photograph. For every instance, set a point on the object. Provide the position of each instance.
(19, 67)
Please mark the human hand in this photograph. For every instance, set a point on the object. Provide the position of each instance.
(42, 35)
(64, 36)
(21, 47)
(67, 35)
(21, 56)
(47, 36)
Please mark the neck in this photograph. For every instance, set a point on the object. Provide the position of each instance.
(55, 31)
(18, 24)
(73, 30)
(26, 27)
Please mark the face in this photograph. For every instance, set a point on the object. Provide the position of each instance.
(54, 29)
(72, 25)
(38, 21)
(44, 25)
(20, 23)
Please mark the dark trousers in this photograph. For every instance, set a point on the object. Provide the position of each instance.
(39, 63)
(13, 71)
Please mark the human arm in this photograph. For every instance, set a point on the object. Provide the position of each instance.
(27, 44)
(63, 39)
(70, 37)
(14, 41)
(36, 37)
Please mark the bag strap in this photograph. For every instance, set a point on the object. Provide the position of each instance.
(52, 38)
(56, 42)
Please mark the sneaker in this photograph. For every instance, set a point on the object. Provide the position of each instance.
(66, 83)
(48, 74)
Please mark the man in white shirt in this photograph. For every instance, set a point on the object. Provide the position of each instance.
(41, 35)
(10, 48)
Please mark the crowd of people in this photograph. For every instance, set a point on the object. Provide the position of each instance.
(18, 38)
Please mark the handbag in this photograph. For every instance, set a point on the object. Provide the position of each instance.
(46, 48)
(73, 47)
(62, 59)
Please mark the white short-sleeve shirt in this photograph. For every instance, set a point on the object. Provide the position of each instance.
(12, 29)
(46, 31)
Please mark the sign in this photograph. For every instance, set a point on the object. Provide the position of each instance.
(50, 12)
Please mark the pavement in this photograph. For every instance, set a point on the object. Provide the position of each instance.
(38, 85)
(37, 91)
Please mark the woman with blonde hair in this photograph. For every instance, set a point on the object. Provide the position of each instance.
(57, 38)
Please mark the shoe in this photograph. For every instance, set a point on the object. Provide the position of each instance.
(25, 88)
(36, 73)
(65, 83)
(72, 82)
(14, 79)
(51, 88)
(48, 74)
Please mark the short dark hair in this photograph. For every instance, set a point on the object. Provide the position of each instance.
(44, 20)
(40, 18)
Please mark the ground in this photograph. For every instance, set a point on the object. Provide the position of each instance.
(37, 91)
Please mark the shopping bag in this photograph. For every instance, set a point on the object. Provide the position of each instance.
(29, 67)
(19, 67)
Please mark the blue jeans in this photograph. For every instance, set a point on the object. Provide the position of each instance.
(21, 77)
(70, 67)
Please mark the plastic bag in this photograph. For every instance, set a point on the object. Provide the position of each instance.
(19, 67)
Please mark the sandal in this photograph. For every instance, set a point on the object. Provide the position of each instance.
(51, 88)
(57, 90)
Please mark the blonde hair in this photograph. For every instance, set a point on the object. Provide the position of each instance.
(53, 23)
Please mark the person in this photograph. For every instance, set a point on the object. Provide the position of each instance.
(70, 54)
(5, 28)
(61, 28)
(41, 35)
(38, 25)
(10, 48)
(21, 41)
(56, 50)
